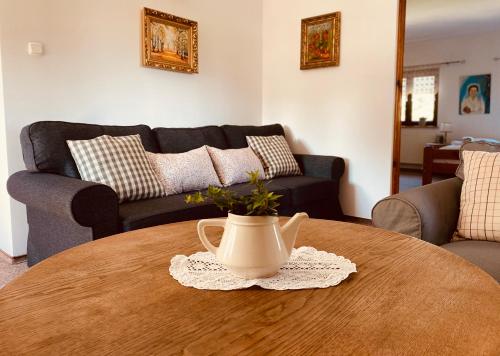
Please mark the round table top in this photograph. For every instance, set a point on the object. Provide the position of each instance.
(115, 295)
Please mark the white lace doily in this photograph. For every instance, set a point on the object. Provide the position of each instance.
(306, 268)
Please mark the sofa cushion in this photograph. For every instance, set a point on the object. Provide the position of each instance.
(484, 254)
(166, 210)
(479, 202)
(178, 140)
(45, 149)
(275, 155)
(233, 165)
(184, 172)
(151, 212)
(475, 146)
(305, 189)
(236, 135)
(285, 201)
(118, 162)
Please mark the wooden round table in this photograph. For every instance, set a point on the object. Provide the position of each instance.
(115, 295)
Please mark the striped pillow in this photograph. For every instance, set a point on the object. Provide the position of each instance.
(119, 162)
(275, 155)
(480, 199)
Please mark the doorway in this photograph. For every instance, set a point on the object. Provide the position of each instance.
(447, 69)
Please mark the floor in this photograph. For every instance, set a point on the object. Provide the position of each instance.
(409, 179)
(10, 271)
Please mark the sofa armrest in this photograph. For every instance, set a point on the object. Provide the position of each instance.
(86, 203)
(330, 167)
(429, 212)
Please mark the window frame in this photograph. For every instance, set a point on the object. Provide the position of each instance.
(409, 74)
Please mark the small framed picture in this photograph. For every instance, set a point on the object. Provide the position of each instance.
(475, 94)
(320, 41)
(169, 42)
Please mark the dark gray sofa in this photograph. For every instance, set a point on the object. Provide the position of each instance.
(63, 211)
(430, 213)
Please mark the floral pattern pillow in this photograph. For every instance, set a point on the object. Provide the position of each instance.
(184, 172)
(232, 165)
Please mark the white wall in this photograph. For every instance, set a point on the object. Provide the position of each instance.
(478, 52)
(347, 110)
(91, 72)
(5, 214)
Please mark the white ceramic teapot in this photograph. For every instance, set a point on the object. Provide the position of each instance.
(253, 246)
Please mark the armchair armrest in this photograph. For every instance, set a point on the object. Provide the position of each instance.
(429, 212)
(86, 203)
(330, 167)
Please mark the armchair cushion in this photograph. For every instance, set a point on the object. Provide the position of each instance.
(485, 254)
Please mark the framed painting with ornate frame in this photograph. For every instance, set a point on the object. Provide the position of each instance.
(320, 41)
(169, 42)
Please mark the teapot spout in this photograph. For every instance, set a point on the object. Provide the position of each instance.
(290, 229)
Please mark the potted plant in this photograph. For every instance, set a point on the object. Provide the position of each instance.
(261, 202)
(253, 244)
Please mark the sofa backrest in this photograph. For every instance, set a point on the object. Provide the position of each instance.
(177, 140)
(45, 149)
(236, 135)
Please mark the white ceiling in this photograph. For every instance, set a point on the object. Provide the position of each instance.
(431, 19)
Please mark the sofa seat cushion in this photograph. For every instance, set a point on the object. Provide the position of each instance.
(285, 201)
(172, 208)
(178, 140)
(484, 254)
(304, 189)
(166, 210)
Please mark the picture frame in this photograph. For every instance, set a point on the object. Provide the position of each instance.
(169, 42)
(474, 94)
(320, 41)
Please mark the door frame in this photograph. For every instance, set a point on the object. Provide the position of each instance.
(396, 147)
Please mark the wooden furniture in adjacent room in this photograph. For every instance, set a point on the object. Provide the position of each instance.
(439, 159)
(115, 295)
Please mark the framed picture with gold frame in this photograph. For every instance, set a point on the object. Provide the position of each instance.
(320, 41)
(169, 42)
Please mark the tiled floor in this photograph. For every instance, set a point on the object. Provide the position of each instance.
(10, 271)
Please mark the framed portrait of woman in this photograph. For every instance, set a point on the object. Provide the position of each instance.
(475, 94)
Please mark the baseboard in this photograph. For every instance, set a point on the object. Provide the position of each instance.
(411, 167)
(356, 220)
(12, 260)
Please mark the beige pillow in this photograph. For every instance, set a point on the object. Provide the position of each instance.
(475, 146)
(480, 199)
(232, 166)
(184, 172)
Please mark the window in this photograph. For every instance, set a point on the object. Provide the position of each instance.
(420, 97)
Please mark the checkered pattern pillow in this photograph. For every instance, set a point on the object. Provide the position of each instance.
(480, 200)
(275, 155)
(119, 162)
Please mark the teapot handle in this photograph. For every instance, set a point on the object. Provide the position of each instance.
(202, 224)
